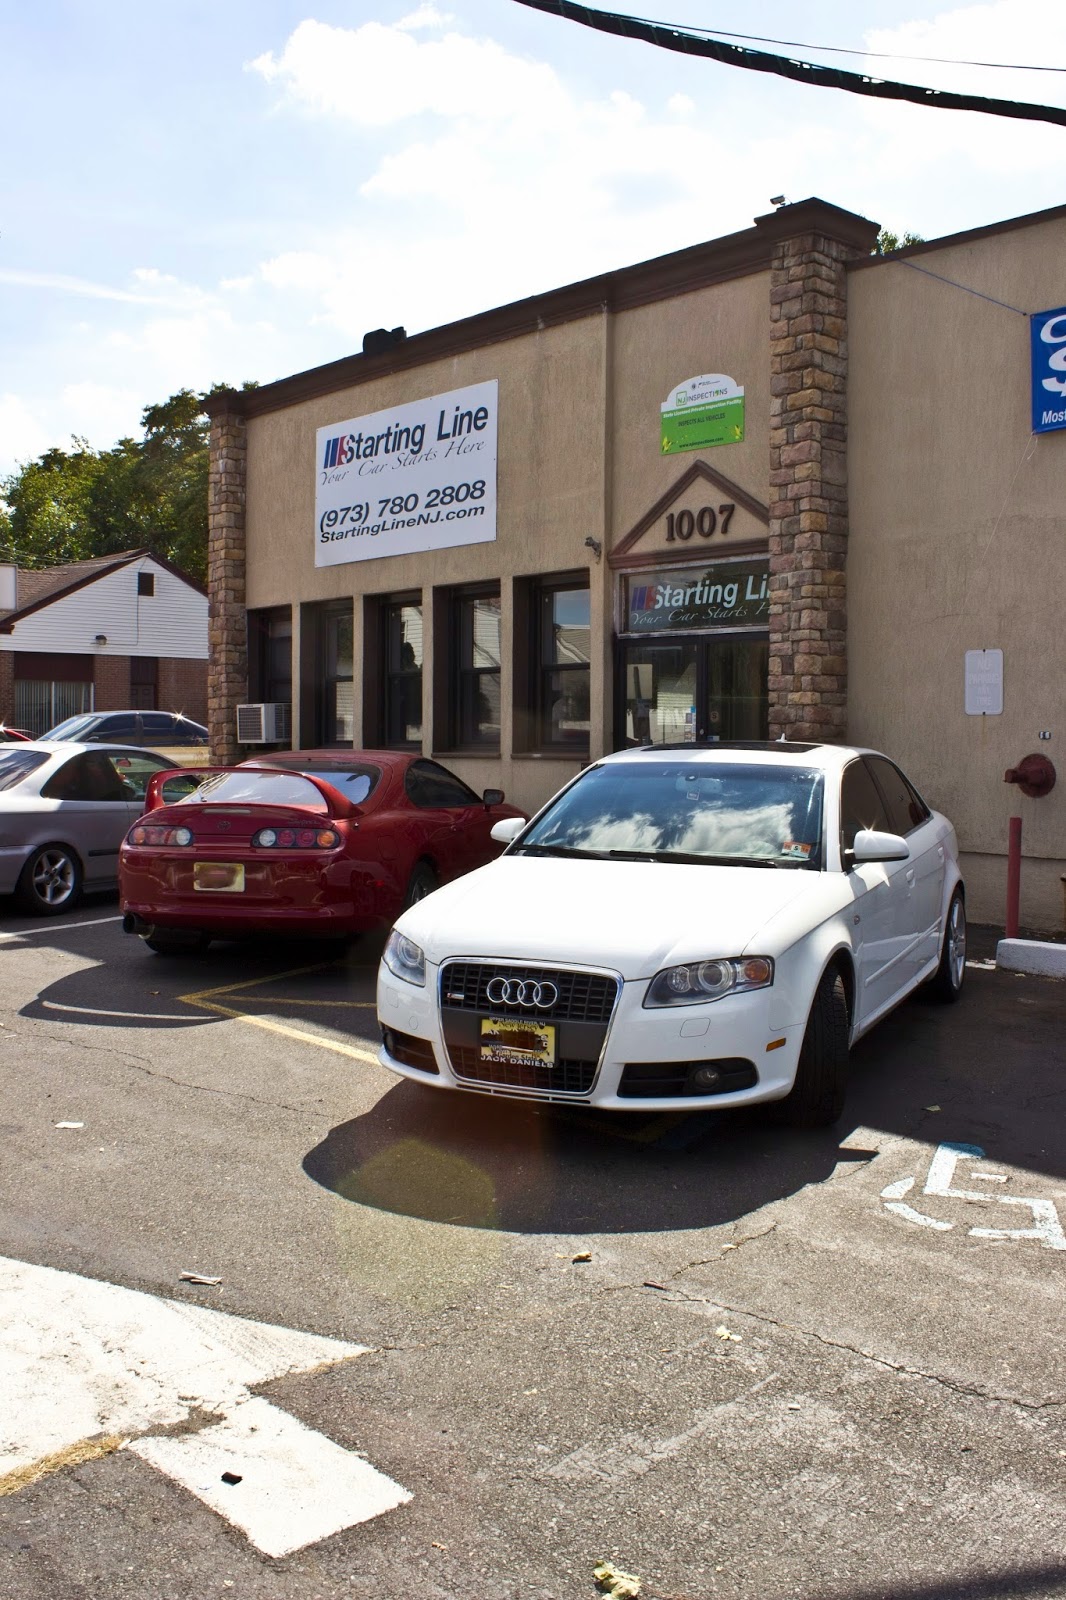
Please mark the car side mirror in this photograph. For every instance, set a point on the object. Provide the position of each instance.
(492, 797)
(507, 830)
(873, 845)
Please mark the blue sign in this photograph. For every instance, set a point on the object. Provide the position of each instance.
(1047, 330)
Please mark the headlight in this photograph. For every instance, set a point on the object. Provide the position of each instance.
(700, 981)
(405, 958)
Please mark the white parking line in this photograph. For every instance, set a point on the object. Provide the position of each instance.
(87, 1368)
(57, 927)
(135, 1016)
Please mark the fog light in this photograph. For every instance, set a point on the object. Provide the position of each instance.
(705, 1078)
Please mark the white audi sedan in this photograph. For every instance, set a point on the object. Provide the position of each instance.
(681, 928)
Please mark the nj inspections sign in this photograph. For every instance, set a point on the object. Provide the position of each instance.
(1048, 344)
(420, 476)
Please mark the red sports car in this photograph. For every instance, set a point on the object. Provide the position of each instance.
(324, 843)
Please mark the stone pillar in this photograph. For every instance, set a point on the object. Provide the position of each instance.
(227, 625)
(808, 483)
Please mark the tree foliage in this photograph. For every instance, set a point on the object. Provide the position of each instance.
(150, 492)
(887, 241)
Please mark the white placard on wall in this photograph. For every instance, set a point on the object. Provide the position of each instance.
(420, 476)
(984, 683)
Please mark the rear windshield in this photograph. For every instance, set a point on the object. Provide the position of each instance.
(256, 788)
(354, 779)
(18, 764)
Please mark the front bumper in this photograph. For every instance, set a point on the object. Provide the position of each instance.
(726, 1032)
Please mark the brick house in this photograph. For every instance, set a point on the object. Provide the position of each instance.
(112, 633)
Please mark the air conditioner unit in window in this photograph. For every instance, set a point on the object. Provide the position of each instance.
(264, 724)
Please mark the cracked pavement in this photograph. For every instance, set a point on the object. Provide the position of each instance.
(762, 1385)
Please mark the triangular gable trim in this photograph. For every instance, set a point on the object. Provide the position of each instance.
(698, 469)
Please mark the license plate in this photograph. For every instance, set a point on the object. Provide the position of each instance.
(516, 1042)
(218, 877)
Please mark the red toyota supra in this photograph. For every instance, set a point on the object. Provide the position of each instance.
(324, 843)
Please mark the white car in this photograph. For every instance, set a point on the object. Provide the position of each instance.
(630, 950)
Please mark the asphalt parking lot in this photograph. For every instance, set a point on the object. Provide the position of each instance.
(736, 1361)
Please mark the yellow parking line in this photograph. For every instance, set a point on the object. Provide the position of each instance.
(289, 1033)
(205, 1000)
(254, 983)
(283, 1000)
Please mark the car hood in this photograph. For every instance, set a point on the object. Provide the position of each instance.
(632, 916)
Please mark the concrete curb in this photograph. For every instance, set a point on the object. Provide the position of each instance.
(1032, 955)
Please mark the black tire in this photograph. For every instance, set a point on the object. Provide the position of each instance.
(178, 944)
(946, 984)
(817, 1096)
(50, 882)
(423, 881)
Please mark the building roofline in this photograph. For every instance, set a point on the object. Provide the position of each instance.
(735, 255)
(1029, 220)
(9, 618)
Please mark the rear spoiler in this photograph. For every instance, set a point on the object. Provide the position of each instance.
(184, 780)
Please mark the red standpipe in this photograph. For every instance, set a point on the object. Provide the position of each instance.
(1014, 876)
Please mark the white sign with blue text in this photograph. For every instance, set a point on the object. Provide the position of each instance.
(420, 476)
(1047, 336)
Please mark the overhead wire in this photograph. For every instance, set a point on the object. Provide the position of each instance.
(844, 50)
(736, 55)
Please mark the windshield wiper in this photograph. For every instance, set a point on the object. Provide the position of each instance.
(692, 858)
(559, 850)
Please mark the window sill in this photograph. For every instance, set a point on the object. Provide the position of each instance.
(550, 755)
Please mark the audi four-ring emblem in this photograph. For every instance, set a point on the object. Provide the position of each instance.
(522, 992)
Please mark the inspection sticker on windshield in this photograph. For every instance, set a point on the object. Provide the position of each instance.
(516, 1042)
(799, 852)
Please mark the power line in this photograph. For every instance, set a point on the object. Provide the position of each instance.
(842, 50)
(735, 55)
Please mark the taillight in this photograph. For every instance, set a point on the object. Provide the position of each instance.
(296, 839)
(142, 834)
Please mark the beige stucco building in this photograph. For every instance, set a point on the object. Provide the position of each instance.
(770, 485)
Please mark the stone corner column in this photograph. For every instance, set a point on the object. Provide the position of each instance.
(227, 624)
(808, 483)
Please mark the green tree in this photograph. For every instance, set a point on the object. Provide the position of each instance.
(151, 492)
(887, 241)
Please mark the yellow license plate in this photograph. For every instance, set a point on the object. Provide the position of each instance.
(514, 1041)
(218, 877)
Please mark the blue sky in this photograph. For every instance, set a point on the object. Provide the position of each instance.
(215, 192)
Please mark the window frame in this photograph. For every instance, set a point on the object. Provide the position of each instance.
(537, 601)
(460, 679)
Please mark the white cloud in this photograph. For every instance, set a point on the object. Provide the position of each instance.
(377, 76)
(24, 433)
(425, 17)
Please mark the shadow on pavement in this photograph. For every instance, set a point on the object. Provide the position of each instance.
(990, 1071)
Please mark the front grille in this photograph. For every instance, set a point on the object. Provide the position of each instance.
(409, 1051)
(660, 1080)
(566, 1077)
(583, 996)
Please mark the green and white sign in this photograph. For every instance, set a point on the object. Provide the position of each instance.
(702, 411)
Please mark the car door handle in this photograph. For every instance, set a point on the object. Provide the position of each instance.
(909, 875)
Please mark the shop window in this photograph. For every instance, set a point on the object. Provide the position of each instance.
(552, 656)
(402, 646)
(473, 676)
(562, 654)
(270, 655)
(328, 634)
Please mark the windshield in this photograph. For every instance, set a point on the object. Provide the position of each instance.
(18, 764)
(697, 812)
(69, 729)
